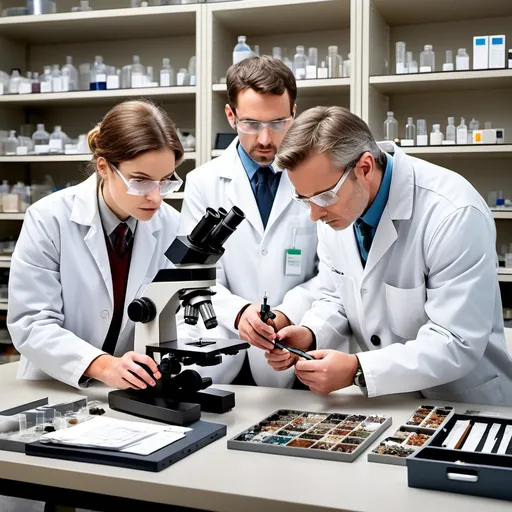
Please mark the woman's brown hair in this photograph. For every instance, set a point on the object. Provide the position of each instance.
(130, 129)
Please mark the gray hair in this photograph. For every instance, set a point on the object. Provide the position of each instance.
(332, 130)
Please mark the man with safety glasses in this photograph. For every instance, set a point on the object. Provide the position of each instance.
(410, 299)
(274, 250)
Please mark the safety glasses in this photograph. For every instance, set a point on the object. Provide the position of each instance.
(253, 127)
(142, 187)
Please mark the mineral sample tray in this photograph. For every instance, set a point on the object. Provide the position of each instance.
(332, 436)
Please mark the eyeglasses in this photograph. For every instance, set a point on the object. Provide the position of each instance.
(254, 127)
(329, 197)
(142, 187)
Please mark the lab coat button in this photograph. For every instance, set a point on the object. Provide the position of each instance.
(105, 314)
(264, 252)
(375, 340)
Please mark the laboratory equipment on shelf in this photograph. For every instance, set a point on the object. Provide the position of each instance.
(401, 67)
(300, 63)
(166, 74)
(41, 139)
(58, 140)
(41, 6)
(73, 73)
(462, 132)
(390, 127)
(241, 51)
(448, 64)
(421, 135)
(98, 75)
(436, 136)
(451, 131)
(138, 73)
(410, 133)
(462, 60)
(179, 397)
(83, 7)
(312, 63)
(412, 65)
(334, 62)
(11, 144)
(427, 60)
(192, 71)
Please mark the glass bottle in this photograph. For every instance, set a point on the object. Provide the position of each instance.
(451, 130)
(400, 58)
(300, 62)
(448, 65)
(422, 136)
(462, 132)
(57, 140)
(15, 81)
(277, 53)
(473, 125)
(436, 137)
(41, 139)
(166, 74)
(412, 65)
(286, 60)
(312, 63)
(36, 86)
(192, 70)
(11, 144)
(56, 79)
(332, 61)
(241, 51)
(427, 60)
(462, 60)
(98, 75)
(182, 77)
(138, 73)
(347, 66)
(410, 130)
(73, 73)
(390, 127)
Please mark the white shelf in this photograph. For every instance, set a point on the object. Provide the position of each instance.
(12, 216)
(169, 94)
(431, 82)
(189, 155)
(505, 275)
(265, 17)
(106, 24)
(5, 263)
(3, 306)
(484, 150)
(502, 214)
(405, 12)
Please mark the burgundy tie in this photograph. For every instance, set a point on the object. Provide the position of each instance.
(121, 238)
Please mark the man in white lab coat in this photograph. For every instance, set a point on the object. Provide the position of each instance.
(410, 296)
(274, 249)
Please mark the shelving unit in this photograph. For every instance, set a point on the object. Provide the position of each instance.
(505, 275)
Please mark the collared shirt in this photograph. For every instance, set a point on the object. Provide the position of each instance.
(109, 219)
(374, 213)
(251, 167)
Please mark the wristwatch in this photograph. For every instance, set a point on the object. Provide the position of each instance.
(359, 379)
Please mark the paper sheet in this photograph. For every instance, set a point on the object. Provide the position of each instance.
(153, 443)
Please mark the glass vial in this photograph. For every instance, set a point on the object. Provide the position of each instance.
(436, 137)
(451, 130)
(422, 136)
(462, 132)
(427, 60)
(390, 127)
(312, 64)
(448, 65)
(401, 67)
(410, 130)
(332, 61)
(277, 53)
(412, 65)
(300, 62)
(462, 60)
(166, 74)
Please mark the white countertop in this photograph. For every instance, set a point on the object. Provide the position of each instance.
(219, 479)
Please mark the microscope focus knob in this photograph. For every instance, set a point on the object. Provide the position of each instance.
(142, 310)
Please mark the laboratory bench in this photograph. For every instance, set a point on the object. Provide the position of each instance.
(218, 479)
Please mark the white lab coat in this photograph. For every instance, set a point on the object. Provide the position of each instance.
(429, 291)
(60, 285)
(254, 260)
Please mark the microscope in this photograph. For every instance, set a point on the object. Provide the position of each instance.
(179, 397)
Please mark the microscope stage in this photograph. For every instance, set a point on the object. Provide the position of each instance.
(199, 346)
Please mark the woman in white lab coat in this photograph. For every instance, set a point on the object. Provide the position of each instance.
(85, 252)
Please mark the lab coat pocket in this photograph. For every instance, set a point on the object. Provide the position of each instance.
(406, 310)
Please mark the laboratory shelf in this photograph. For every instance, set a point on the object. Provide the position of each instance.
(5, 262)
(505, 275)
(447, 81)
(485, 150)
(108, 24)
(502, 214)
(166, 94)
(3, 306)
(12, 216)
(266, 16)
(405, 12)
(25, 159)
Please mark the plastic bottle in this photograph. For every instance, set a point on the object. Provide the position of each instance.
(390, 127)
(4, 190)
(41, 139)
(286, 60)
(412, 65)
(333, 61)
(241, 51)
(192, 71)
(427, 60)
(300, 63)
(36, 85)
(473, 125)
(57, 140)
(56, 79)
(11, 144)
(451, 130)
(448, 65)
(347, 67)
(410, 130)
(98, 75)
(312, 63)
(277, 53)
(462, 132)
(462, 60)
(436, 137)
(138, 73)
(73, 73)
(166, 74)
(15, 81)
(422, 136)
(401, 67)
(182, 77)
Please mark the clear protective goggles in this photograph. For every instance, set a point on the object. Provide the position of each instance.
(327, 198)
(142, 187)
(254, 127)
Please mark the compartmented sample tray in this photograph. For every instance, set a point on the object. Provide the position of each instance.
(332, 436)
(409, 438)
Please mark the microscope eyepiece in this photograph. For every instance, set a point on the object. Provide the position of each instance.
(225, 228)
(203, 228)
(222, 212)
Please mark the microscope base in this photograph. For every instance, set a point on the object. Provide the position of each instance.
(211, 400)
(154, 408)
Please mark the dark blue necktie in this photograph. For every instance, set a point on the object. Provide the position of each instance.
(263, 193)
(366, 235)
